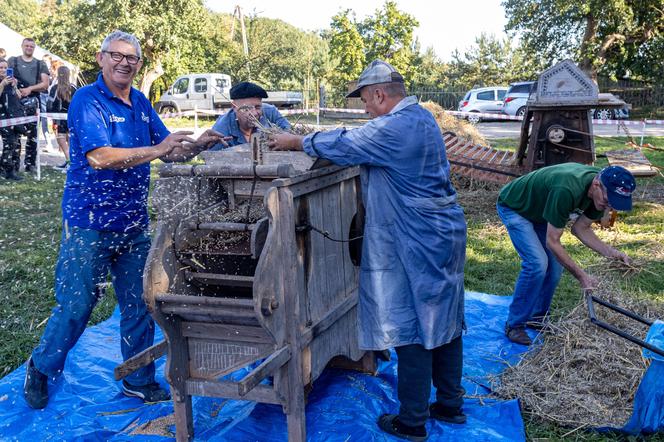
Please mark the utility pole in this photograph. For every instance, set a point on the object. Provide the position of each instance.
(237, 15)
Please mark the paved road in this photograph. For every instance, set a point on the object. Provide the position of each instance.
(511, 129)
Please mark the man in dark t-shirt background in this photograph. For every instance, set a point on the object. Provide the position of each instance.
(535, 208)
(32, 76)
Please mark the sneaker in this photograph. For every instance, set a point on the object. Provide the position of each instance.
(63, 165)
(35, 387)
(13, 175)
(29, 168)
(452, 415)
(390, 424)
(148, 393)
(518, 335)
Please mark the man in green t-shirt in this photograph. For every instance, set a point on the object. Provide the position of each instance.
(535, 209)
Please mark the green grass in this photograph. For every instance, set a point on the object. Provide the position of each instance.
(30, 233)
(30, 228)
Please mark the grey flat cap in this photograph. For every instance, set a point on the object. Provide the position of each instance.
(377, 72)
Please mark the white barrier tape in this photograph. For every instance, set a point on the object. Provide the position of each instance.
(598, 122)
(223, 112)
(54, 116)
(210, 112)
(298, 111)
(177, 114)
(486, 115)
(346, 111)
(31, 119)
(16, 121)
(617, 122)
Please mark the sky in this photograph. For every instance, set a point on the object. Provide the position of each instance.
(444, 25)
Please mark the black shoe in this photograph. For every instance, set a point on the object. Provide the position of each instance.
(389, 423)
(35, 387)
(13, 175)
(63, 165)
(148, 393)
(383, 354)
(29, 168)
(447, 414)
(518, 335)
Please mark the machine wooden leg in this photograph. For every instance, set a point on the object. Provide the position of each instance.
(295, 412)
(296, 420)
(184, 419)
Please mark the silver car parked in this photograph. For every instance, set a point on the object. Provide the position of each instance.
(516, 97)
(483, 100)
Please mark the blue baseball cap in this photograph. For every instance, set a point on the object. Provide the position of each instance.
(619, 183)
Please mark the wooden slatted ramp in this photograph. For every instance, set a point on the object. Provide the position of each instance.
(480, 162)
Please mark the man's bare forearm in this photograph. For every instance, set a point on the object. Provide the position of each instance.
(123, 158)
(585, 233)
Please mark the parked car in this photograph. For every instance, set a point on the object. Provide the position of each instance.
(518, 93)
(483, 100)
(211, 91)
(611, 114)
(516, 97)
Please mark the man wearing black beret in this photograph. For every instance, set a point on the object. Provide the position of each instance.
(248, 113)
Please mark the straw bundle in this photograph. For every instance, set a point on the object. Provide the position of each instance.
(583, 376)
(461, 128)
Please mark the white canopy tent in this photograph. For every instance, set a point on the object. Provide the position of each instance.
(11, 40)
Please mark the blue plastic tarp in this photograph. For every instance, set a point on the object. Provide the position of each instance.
(648, 413)
(86, 403)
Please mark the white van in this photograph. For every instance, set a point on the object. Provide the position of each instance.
(212, 91)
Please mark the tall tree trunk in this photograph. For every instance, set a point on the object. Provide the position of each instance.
(586, 62)
(149, 76)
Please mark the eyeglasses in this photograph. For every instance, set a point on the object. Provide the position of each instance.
(118, 56)
(247, 108)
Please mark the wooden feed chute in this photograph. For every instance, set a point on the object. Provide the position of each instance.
(247, 270)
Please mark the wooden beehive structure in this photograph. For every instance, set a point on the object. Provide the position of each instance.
(561, 128)
(269, 292)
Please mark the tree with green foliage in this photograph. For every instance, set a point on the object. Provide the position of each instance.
(429, 71)
(346, 49)
(167, 29)
(601, 35)
(21, 16)
(280, 55)
(388, 35)
(492, 61)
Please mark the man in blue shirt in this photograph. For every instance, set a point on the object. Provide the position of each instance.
(115, 133)
(413, 252)
(248, 115)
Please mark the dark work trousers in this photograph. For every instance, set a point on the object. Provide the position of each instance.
(417, 367)
(31, 145)
(11, 149)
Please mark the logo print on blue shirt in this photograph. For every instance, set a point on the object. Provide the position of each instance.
(116, 119)
(145, 118)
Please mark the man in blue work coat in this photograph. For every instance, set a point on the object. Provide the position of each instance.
(411, 278)
(248, 114)
(115, 134)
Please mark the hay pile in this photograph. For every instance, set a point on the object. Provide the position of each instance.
(157, 427)
(583, 376)
(304, 129)
(461, 128)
